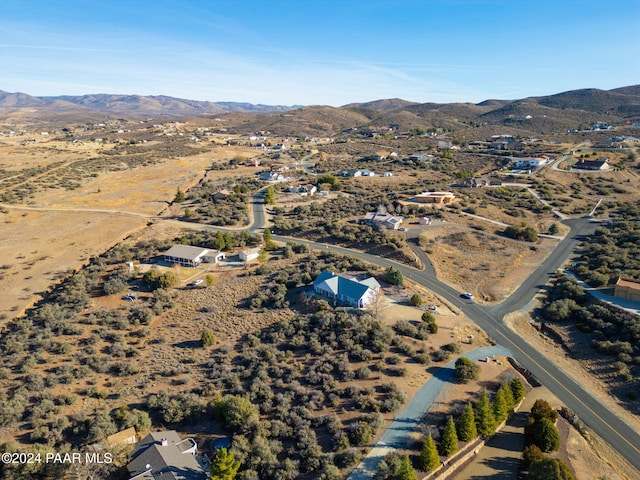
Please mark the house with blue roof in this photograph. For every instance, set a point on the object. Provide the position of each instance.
(357, 293)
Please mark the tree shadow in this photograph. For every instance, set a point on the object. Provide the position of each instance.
(188, 344)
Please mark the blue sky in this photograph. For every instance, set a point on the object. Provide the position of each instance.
(318, 52)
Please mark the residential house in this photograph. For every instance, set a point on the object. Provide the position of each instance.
(599, 164)
(627, 289)
(165, 455)
(269, 176)
(505, 142)
(304, 190)
(425, 221)
(357, 293)
(530, 162)
(253, 162)
(250, 254)
(421, 157)
(191, 256)
(350, 172)
(441, 198)
(383, 221)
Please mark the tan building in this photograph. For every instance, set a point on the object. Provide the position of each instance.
(443, 198)
(627, 289)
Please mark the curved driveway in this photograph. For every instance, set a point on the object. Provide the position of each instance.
(398, 433)
(618, 433)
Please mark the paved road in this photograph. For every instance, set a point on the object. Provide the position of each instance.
(398, 433)
(621, 436)
(614, 430)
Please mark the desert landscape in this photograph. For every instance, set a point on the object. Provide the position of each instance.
(100, 333)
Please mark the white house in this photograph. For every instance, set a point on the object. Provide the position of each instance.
(357, 293)
(191, 256)
(304, 190)
(530, 162)
(383, 220)
(249, 255)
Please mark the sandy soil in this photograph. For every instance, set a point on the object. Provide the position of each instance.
(482, 263)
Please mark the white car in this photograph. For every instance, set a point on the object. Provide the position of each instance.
(467, 295)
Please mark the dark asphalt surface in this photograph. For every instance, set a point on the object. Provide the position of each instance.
(619, 434)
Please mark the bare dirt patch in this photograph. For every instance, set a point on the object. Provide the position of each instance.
(482, 263)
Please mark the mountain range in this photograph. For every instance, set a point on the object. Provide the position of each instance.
(533, 114)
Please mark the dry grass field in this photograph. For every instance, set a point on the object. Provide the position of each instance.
(40, 247)
(479, 262)
(56, 229)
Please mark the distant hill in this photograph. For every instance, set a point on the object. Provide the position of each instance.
(131, 105)
(381, 105)
(546, 114)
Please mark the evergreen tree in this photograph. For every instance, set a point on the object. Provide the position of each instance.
(449, 444)
(485, 420)
(542, 409)
(223, 465)
(406, 470)
(218, 241)
(466, 425)
(429, 458)
(270, 196)
(179, 198)
(268, 242)
(466, 370)
(550, 468)
(394, 276)
(531, 453)
(543, 433)
(518, 389)
(508, 396)
(499, 406)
